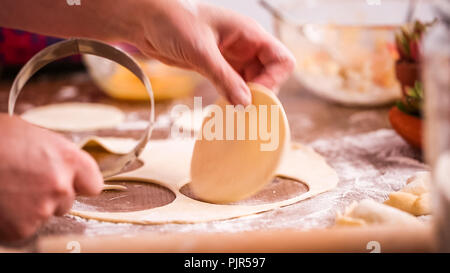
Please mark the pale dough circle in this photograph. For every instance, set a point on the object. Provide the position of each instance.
(167, 163)
(225, 171)
(75, 116)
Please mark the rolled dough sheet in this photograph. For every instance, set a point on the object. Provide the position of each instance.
(167, 163)
(75, 117)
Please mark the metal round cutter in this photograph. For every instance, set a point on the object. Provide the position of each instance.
(110, 164)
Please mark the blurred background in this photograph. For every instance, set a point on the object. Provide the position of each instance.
(345, 50)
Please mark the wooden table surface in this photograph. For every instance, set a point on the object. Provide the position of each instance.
(370, 158)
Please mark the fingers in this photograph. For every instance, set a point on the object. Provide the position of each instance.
(214, 66)
(65, 204)
(88, 179)
(254, 53)
(278, 64)
(252, 70)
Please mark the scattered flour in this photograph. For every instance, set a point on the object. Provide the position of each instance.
(369, 165)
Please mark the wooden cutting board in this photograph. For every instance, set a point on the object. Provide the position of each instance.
(368, 239)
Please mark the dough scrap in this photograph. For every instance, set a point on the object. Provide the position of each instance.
(418, 184)
(107, 187)
(369, 212)
(75, 117)
(167, 163)
(226, 170)
(415, 197)
(110, 144)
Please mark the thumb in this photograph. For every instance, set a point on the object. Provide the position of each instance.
(88, 179)
(213, 65)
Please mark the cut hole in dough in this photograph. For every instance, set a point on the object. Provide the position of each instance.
(278, 190)
(137, 196)
(75, 117)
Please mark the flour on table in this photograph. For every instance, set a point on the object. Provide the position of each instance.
(357, 181)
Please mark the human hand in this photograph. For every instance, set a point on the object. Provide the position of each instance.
(40, 173)
(227, 48)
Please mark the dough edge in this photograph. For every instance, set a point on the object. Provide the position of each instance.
(184, 210)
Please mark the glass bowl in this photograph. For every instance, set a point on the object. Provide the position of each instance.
(167, 82)
(345, 50)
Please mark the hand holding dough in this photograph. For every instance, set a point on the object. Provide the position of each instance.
(168, 163)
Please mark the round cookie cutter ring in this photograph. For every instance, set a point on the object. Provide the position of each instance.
(86, 46)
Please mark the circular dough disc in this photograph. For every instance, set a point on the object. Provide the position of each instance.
(224, 171)
(75, 117)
